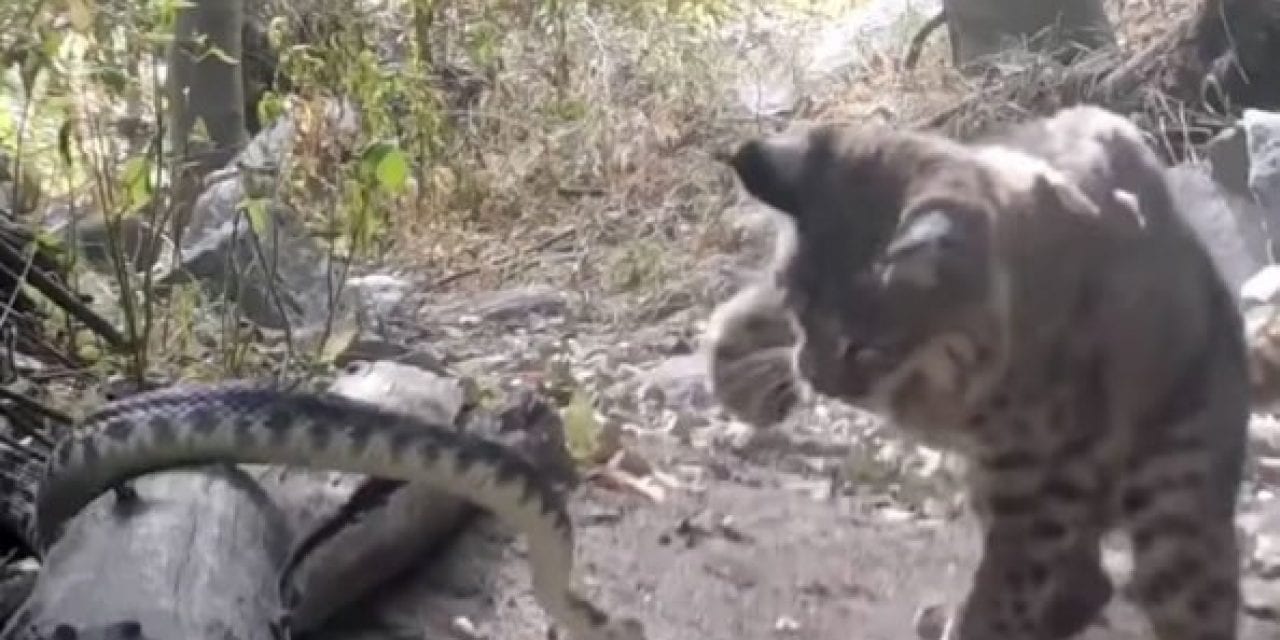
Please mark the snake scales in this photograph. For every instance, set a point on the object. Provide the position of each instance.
(242, 423)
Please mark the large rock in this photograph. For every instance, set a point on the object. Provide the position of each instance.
(1244, 163)
(1230, 225)
(278, 279)
(1262, 138)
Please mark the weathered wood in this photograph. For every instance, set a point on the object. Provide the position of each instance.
(193, 556)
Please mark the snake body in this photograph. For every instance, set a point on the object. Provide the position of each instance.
(248, 424)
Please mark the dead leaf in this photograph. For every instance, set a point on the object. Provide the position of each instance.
(337, 343)
(613, 476)
(80, 12)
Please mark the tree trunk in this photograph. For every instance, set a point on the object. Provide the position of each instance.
(205, 78)
(983, 28)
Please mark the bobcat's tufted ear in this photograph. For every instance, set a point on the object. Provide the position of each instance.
(771, 169)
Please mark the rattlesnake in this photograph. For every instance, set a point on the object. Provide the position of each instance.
(239, 422)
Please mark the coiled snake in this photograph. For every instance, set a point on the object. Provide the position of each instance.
(242, 423)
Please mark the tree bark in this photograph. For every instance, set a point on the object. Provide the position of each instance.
(205, 81)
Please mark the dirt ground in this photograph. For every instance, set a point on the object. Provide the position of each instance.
(749, 546)
(800, 566)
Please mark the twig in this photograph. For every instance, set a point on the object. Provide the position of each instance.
(470, 271)
(13, 262)
(31, 404)
(454, 277)
(917, 41)
(18, 447)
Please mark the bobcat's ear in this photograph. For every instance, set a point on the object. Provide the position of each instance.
(771, 169)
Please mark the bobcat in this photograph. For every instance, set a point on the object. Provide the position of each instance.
(1033, 302)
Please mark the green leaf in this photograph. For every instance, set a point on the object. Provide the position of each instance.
(51, 43)
(270, 108)
(47, 241)
(393, 171)
(8, 128)
(388, 165)
(581, 428)
(256, 210)
(137, 183)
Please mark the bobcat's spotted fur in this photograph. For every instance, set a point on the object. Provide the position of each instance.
(1035, 303)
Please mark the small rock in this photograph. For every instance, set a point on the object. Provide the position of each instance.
(894, 513)
(1264, 433)
(464, 628)
(1266, 555)
(682, 424)
(930, 622)
(1262, 134)
(379, 293)
(1262, 287)
(1269, 469)
(740, 573)
(681, 382)
(732, 533)
(1230, 226)
(786, 625)
(409, 389)
(1261, 598)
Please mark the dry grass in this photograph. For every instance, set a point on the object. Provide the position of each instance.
(1134, 79)
(606, 184)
